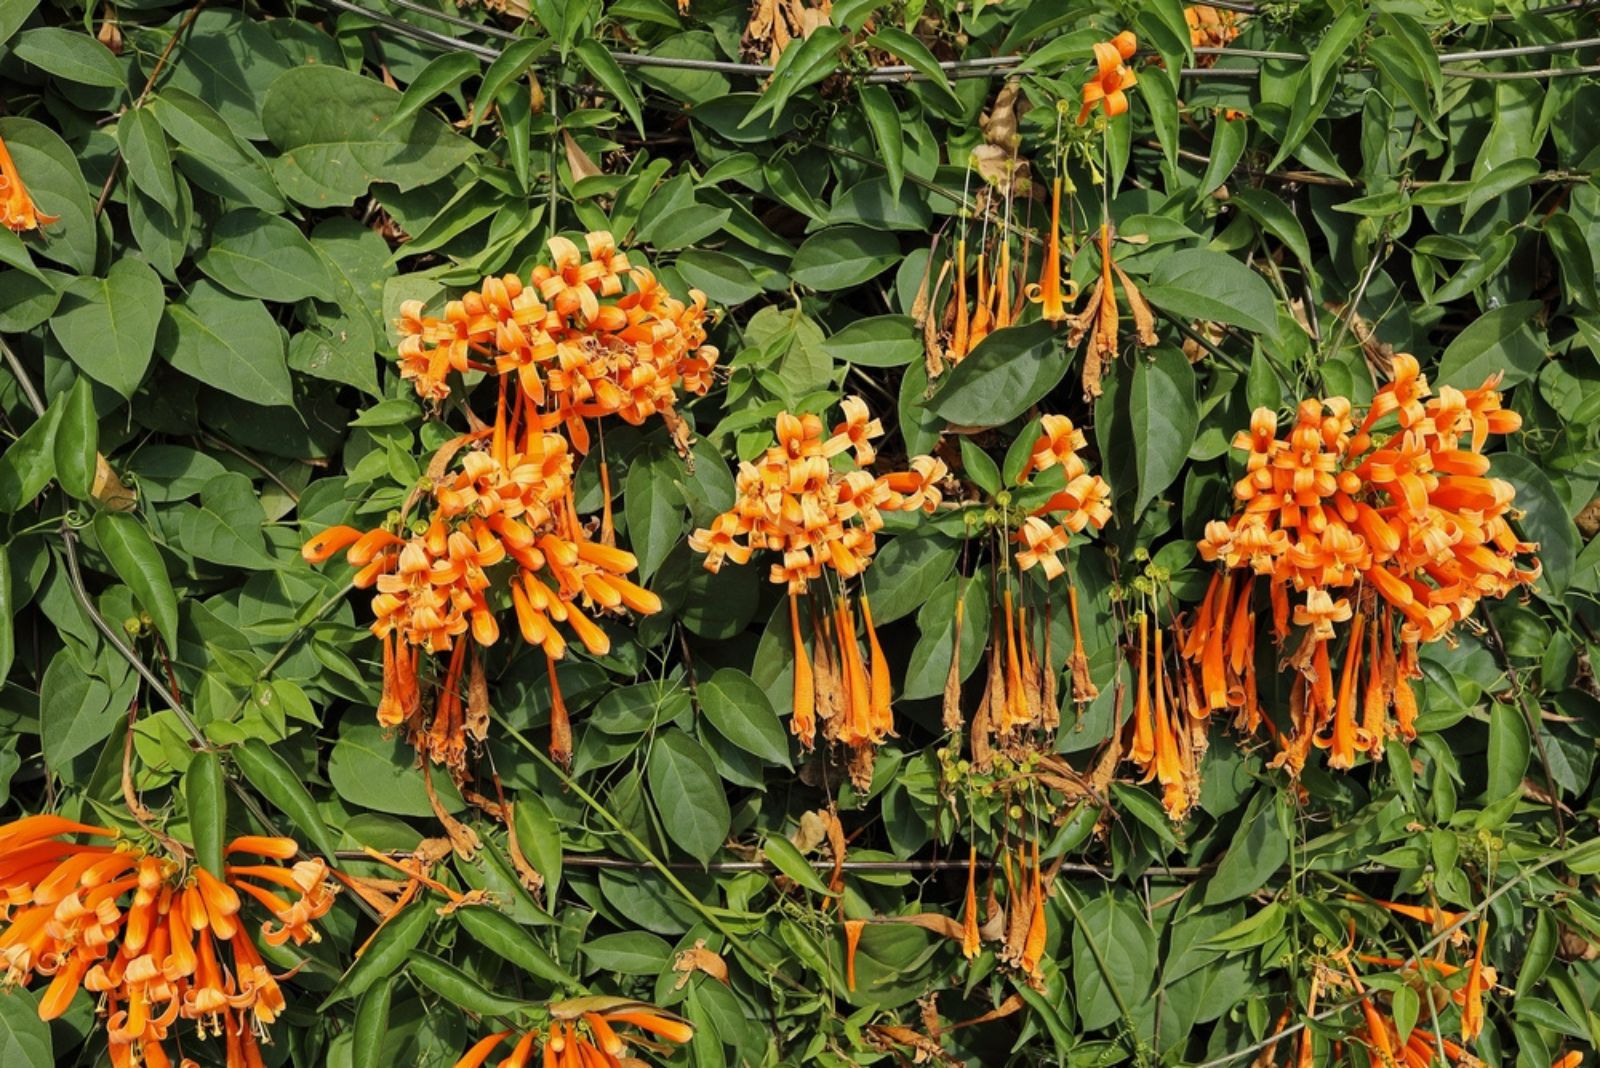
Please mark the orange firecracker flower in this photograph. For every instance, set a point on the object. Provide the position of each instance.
(155, 943)
(1108, 88)
(796, 501)
(1386, 540)
(17, 209)
(583, 338)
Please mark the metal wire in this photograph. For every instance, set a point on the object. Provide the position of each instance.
(882, 867)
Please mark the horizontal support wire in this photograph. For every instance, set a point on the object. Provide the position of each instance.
(979, 67)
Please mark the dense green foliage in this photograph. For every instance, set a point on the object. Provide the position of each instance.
(246, 197)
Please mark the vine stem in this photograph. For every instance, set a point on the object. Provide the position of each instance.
(149, 84)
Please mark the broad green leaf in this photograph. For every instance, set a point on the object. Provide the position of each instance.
(916, 565)
(1509, 751)
(137, 561)
(510, 64)
(653, 507)
(1202, 284)
(1497, 182)
(787, 859)
(843, 256)
(75, 57)
(442, 74)
(720, 276)
(332, 129)
(1500, 340)
(108, 325)
(1126, 959)
(77, 709)
(1008, 372)
(1254, 855)
(226, 527)
(149, 159)
(77, 440)
(1165, 418)
(373, 771)
(740, 711)
(915, 54)
(8, 616)
(881, 341)
(229, 60)
(255, 254)
(28, 463)
(24, 1038)
(229, 343)
(206, 802)
(884, 118)
(688, 795)
(1544, 519)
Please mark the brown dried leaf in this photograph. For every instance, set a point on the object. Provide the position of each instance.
(699, 959)
(578, 160)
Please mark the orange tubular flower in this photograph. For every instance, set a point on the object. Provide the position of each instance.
(798, 501)
(1371, 535)
(1048, 293)
(1112, 77)
(17, 209)
(147, 938)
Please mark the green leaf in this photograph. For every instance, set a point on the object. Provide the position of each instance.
(255, 254)
(275, 780)
(1198, 283)
(593, 55)
(1499, 340)
(741, 713)
(226, 527)
(905, 573)
(28, 463)
(8, 616)
(24, 1038)
(509, 65)
(839, 257)
(787, 859)
(376, 771)
(1165, 418)
(229, 343)
(77, 440)
(144, 148)
(372, 1025)
(1126, 959)
(1228, 139)
(510, 941)
(1275, 218)
(1006, 374)
(1544, 519)
(458, 988)
(915, 55)
(1497, 182)
(884, 119)
(878, 341)
(654, 508)
(688, 794)
(75, 57)
(332, 129)
(77, 710)
(211, 156)
(13, 13)
(629, 953)
(1571, 246)
(1255, 853)
(980, 467)
(442, 74)
(1509, 751)
(108, 325)
(389, 949)
(137, 562)
(539, 838)
(799, 68)
(720, 276)
(205, 794)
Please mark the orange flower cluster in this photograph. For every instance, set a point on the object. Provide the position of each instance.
(1394, 537)
(583, 1034)
(580, 344)
(795, 502)
(145, 935)
(1085, 502)
(574, 344)
(1210, 27)
(1112, 78)
(17, 209)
